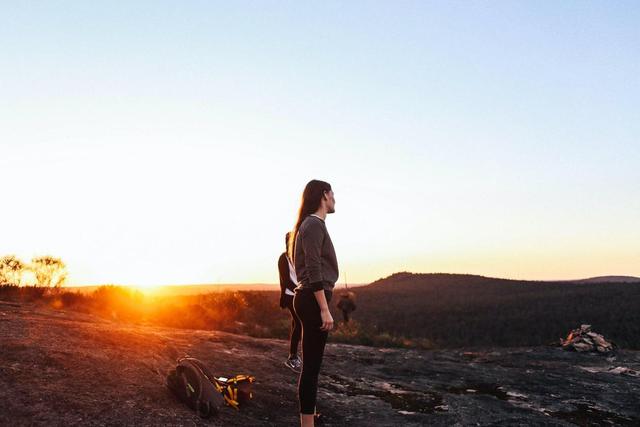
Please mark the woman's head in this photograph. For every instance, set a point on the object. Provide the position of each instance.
(315, 195)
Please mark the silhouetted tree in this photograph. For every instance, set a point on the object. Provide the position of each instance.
(49, 271)
(11, 269)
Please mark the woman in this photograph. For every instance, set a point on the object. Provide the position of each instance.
(288, 283)
(317, 272)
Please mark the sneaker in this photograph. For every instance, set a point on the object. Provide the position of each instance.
(294, 363)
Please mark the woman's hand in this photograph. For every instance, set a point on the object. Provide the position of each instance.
(327, 320)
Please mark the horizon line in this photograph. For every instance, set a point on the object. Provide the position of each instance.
(353, 284)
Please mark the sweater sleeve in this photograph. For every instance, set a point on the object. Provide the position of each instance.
(311, 238)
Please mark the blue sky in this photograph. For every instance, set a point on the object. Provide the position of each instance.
(174, 138)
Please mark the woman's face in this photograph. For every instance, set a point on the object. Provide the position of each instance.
(330, 201)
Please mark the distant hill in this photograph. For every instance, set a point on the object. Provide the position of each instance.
(411, 279)
(609, 279)
(408, 280)
(468, 310)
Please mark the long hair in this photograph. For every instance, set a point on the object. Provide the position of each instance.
(311, 198)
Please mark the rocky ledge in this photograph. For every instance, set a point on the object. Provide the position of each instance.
(66, 368)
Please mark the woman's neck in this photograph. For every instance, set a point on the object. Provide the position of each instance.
(321, 212)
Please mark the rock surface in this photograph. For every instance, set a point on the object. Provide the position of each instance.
(66, 368)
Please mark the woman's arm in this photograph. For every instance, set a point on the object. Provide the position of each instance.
(311, 239)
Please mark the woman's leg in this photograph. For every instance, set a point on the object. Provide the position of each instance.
(313, 343)
(312, 351)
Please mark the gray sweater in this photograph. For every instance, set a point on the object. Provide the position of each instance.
(315, 258)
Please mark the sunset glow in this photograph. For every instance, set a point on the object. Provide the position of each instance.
(456, 139)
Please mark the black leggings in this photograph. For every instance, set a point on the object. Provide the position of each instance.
(296, 328)
(313, 342)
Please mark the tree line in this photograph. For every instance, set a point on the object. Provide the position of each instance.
(454, 310)
(47, 270)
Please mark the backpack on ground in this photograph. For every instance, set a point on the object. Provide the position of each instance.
(193, 383)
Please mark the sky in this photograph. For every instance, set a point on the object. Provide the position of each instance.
(169, 142)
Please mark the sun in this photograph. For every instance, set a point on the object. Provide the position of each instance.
(145, 287)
